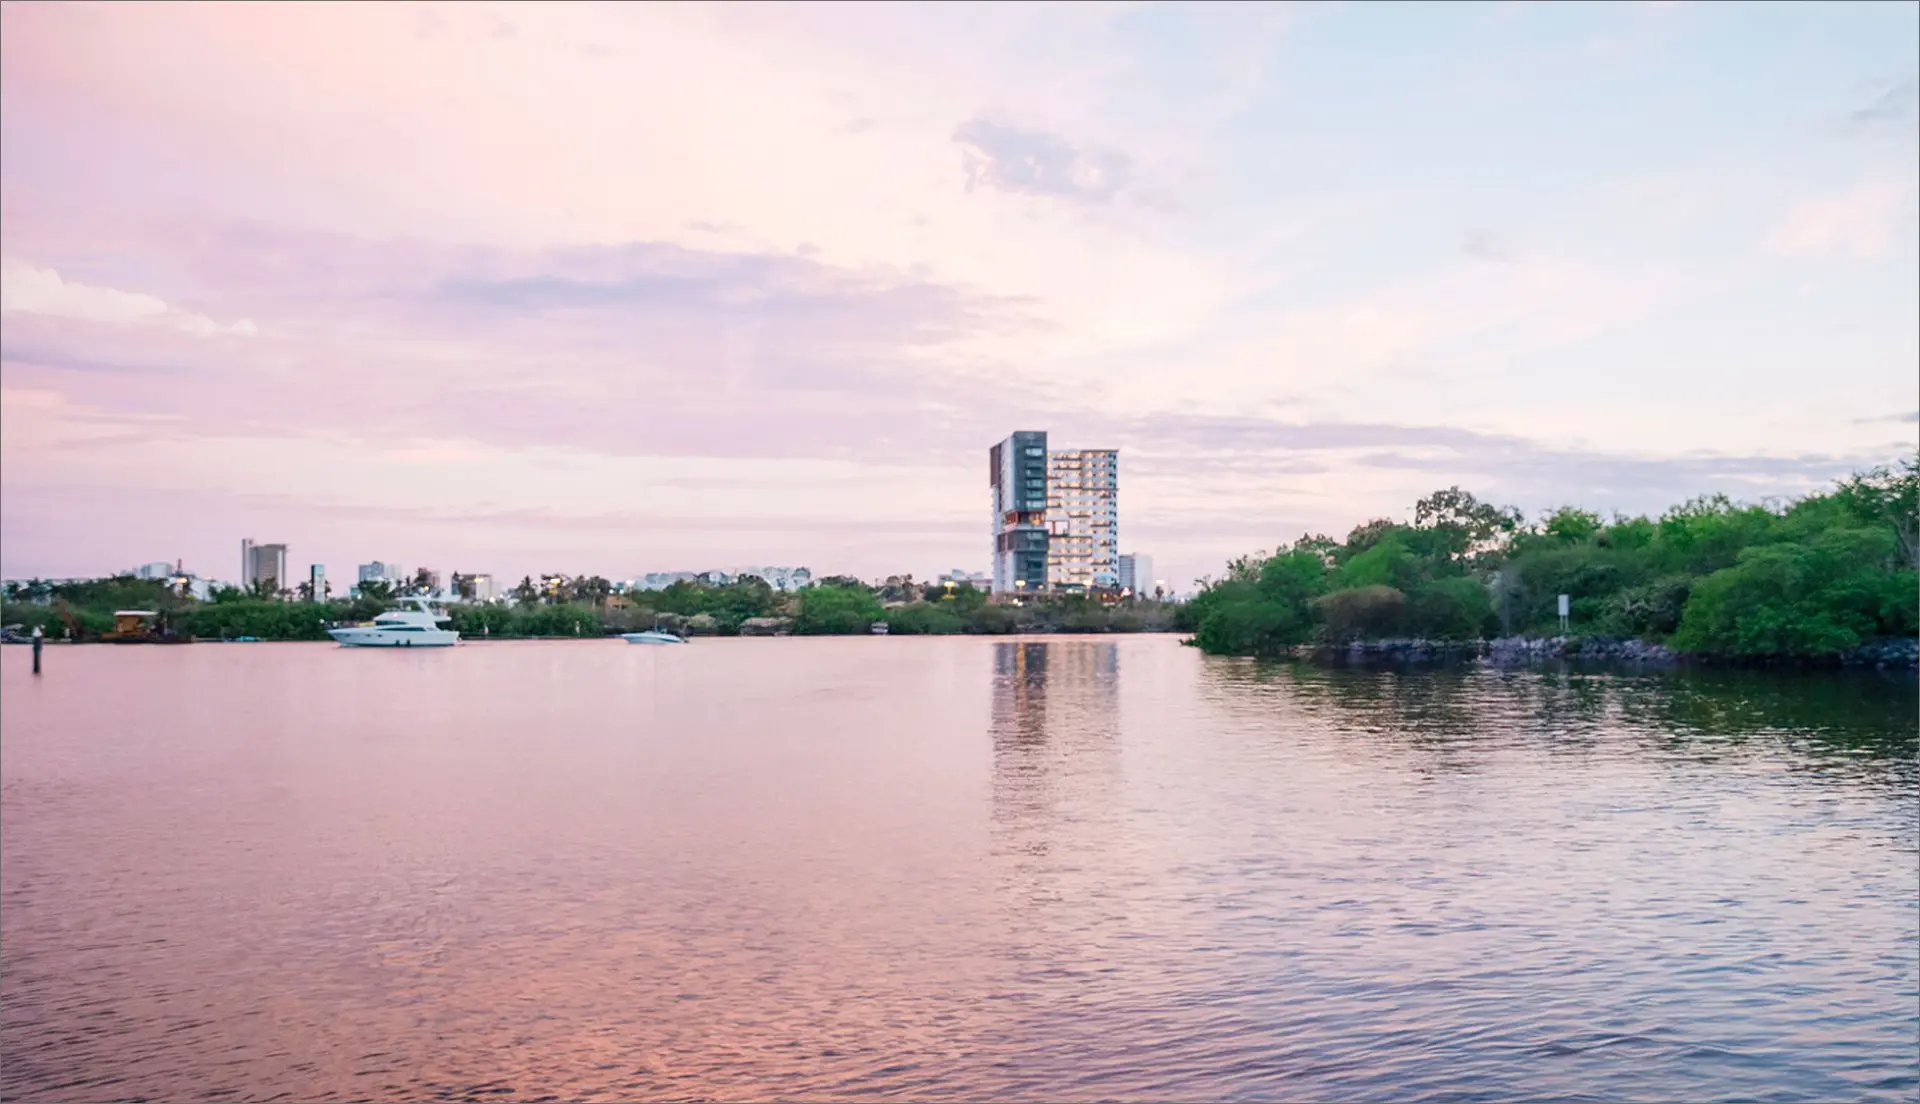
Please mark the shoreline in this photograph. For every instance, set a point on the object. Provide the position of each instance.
(1895, 654)
(1506, 652)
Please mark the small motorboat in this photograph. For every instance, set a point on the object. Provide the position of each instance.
(653, 636)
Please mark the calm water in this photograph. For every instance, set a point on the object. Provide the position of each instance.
(946, 869)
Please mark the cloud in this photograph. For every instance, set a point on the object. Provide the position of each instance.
(1898, 102)
(1860, 224)
(1034, 162)
(26, 289)
(635, 349)
(1485, 245)
(1909, 416)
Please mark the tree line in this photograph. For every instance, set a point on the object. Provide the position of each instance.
(1812, 577)
(584, 606)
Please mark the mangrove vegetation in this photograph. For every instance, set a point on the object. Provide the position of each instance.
(1812, 578)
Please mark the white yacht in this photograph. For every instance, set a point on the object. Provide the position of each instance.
(652, 636)
(415, 624)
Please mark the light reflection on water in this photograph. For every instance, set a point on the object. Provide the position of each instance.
(1087, 868)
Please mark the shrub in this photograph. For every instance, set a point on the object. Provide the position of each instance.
(829, 611)
(1451, 609)
(1361, 611)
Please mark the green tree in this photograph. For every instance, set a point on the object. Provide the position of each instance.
(925, 618)
(1798, 600)
(836, 610)
(1374, 610)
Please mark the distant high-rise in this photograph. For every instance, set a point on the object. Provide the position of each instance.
(1083, 520)
(1136, 574)
(1018, 475)
(263, 563)
(317, 580)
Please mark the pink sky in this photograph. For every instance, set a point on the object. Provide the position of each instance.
(651, 287)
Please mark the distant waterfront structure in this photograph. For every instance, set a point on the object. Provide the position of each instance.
(661, 580)
(262, 563)
(962, 577)
(1083, 520)
(158, 569)
(317, 581)
(1136, 574)
(1018, 476)
(377, 572)
(477, 587)
(781, 578)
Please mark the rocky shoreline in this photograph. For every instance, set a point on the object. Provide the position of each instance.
(1884, 655)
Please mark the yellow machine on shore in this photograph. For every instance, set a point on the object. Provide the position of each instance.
(142, 627)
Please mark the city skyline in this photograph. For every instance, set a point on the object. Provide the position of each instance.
(701, 285)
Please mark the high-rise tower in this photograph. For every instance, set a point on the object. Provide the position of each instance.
(1019, 480)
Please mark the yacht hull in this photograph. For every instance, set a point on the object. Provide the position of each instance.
(651, 638)
(389, 638)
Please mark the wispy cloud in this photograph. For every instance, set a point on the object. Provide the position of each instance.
(1485, 245)
(1897, 102)
(1861, 223)
(1034, 162)
(27, 289)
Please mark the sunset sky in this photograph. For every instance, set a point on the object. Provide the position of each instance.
(653, 287)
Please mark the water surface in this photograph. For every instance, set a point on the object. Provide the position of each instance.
(1069, 868)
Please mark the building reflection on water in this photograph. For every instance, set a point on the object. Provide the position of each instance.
(1056, 752)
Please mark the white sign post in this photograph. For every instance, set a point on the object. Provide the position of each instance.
(1566, 607)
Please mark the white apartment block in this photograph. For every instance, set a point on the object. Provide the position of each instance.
(1083, 519)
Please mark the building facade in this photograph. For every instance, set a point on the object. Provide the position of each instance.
(317, 581)
(377, 572)
(1018, 476)
(1136, 574)
(960, 577)
(263, 563)
(661, 580)
(1083, 520)
(478, 587)
(781, 578)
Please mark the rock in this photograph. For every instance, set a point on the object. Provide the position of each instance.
(1590, 649)
(1891, 653)
(1364, 653)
